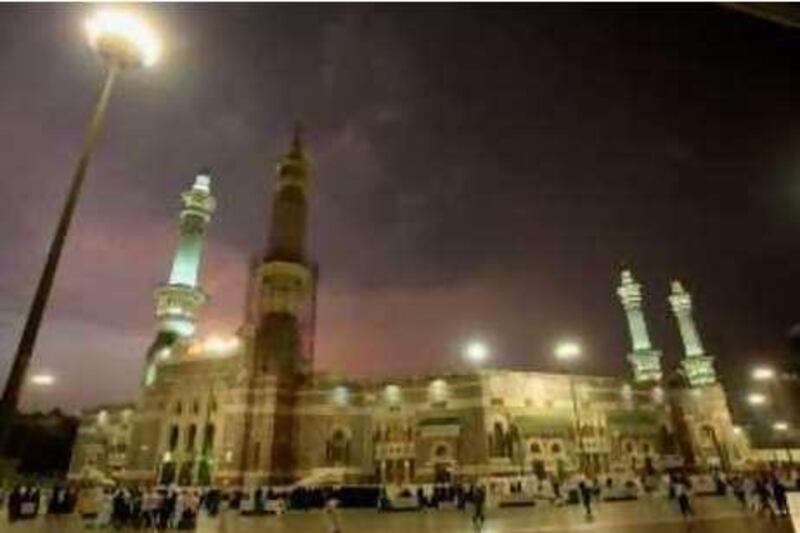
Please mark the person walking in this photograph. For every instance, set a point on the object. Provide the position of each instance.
(332, 515)
(682, 495)
(150, 509)
(103, 518)
(737, 485)
(779, 494)
(585, 492)
(763, 495)
(479, 503)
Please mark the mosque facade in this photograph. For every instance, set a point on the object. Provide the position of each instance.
(251, 409)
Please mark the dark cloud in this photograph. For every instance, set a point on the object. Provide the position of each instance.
(479, 171)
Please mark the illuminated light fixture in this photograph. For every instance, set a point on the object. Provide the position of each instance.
(341, 395)
(221, 345)
(756, 398)
(476, 351)
(438, 390)
(567, 350)
(123, 39)
(763, 373)
(43, 380)
(392, 394)
(737, 430)
(780, 426)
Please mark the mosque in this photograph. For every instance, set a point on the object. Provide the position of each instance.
(251, 409)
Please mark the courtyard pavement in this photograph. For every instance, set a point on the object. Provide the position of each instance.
(714, 515)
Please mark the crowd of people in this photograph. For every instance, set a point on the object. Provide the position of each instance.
(762, 493)
(102, 507)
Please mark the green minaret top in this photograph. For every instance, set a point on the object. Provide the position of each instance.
(644, 359)
(198, 205)
(699, 367)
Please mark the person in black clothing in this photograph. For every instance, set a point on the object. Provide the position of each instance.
(779, 494)
(682, 495)
(586, 497)
(14, 502)
(762, 492)
(737, 485)
(479, 502)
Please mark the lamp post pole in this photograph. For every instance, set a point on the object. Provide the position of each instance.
(122, 41)
(566, 352)
(30, 332)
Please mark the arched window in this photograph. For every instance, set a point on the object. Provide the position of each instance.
(498, 440)
(208, 439)
(178, 407)
(536, 448)
(174, 433)
(512, 441)
(191, 436)
(555, 448)
(338, 447)
(441, 451)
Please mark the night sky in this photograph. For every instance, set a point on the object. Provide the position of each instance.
(479, 172)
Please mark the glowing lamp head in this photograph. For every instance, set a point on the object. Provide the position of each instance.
(123, 39)
(476, 351)
(763, 373)
(756, 398)
(780, 426)
(567, 351)
(43, 380)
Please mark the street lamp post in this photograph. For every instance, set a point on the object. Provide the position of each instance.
(565, 353)
(768, 375)
(123, 42)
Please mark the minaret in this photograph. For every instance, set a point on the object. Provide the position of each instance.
(178, 301)
(698, 366)
(645, 360)
(285, 278)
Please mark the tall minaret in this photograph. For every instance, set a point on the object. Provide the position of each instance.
(178, 301)
(285, 278)
(698, 366)
(645, 360)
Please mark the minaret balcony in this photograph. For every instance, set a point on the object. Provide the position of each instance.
(177, 302)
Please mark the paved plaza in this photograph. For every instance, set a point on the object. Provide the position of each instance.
(714, 515)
